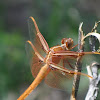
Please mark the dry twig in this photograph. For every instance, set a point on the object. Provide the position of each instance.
(78, 65)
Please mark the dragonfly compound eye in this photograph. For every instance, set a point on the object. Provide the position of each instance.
(69, 43)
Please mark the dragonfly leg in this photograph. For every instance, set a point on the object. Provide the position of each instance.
(67, 70)
(74, 46)
(68, 64)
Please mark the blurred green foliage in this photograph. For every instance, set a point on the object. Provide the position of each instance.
(13, 62)
(56, 19)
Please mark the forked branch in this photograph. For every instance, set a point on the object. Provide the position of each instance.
(93, 89)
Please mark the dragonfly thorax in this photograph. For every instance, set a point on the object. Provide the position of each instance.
(67, 44)
(53, 50)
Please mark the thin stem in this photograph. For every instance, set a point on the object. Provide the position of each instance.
(77, 66)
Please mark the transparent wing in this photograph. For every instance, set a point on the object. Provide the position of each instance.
(35, 62)
(36, 37)
(40, 45)
(60, 80)
(61, 75)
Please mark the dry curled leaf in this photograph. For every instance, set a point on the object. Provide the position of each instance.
(97, 35)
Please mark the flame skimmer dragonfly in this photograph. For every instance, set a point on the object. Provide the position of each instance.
(56, 62)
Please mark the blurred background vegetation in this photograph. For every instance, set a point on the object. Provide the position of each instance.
(56, 19)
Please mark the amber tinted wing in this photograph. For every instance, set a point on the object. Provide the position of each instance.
(60, 79)
(36, 37)
(36, 65)
(35, 62)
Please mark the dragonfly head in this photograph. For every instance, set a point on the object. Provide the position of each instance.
(67, 43)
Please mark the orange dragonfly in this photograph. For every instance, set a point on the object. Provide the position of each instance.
(55, 64)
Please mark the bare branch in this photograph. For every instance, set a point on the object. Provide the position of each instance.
(78, 65)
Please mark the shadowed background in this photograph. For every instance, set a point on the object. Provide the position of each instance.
(56, 19)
